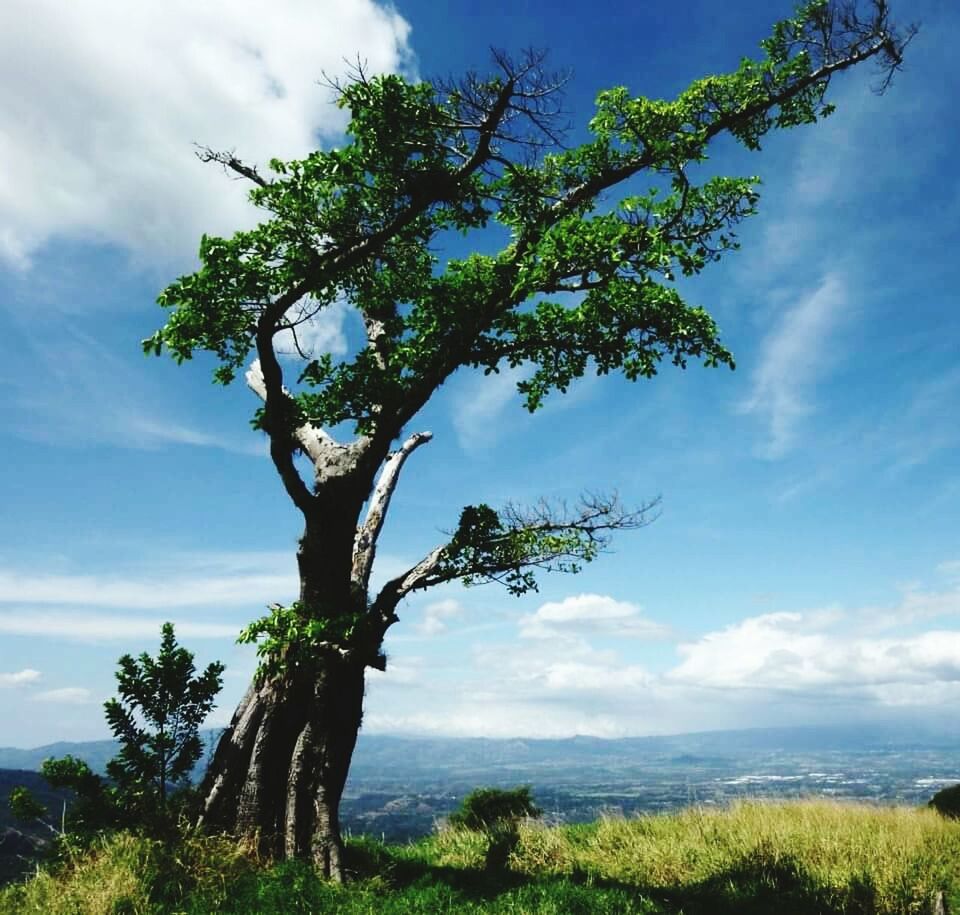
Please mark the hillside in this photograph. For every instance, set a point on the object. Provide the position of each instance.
(801, 858)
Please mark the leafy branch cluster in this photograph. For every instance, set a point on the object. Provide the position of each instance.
(511, 545)
(295, 636)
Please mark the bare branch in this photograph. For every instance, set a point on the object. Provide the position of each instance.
(230, 162)
(524, 109)
(365, 543)
(384, 607)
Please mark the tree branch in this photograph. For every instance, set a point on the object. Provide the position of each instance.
(506, 547)
(278, 412)
(847, 40)
(313, 440)
(229, 161)
(365, 543)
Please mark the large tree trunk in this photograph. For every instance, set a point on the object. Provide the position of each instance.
(280, 768)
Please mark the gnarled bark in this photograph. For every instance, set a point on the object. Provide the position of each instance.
(279, 771)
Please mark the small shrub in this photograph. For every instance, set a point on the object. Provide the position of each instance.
(947, 802)
(496, 813)
(489, 808)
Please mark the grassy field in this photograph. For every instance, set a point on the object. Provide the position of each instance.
(802, 858)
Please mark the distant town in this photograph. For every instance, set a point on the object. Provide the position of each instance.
(402, 788)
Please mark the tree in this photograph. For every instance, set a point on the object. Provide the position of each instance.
(157, 720)
(581, 284)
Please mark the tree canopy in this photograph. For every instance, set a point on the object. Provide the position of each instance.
(361, 224)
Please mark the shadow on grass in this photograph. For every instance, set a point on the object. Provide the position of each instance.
(756, 886)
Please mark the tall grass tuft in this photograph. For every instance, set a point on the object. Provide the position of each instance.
(841, 857)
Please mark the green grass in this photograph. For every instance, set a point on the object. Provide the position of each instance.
(803, 858)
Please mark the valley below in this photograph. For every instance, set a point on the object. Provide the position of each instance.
(402, 788)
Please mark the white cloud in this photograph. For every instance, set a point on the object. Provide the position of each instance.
(101, 102)
(67, 695)
(793, 357)
(577, 676)
(794, 652)
(406, 672)
(322, 332)
(818, 666)
(917, 605)
(588, 614)
(924, 425)
(103, 627)
(27, 675)
(138, 430)
(950, 568)
(496, 720)
(437, 615)
(117, 592)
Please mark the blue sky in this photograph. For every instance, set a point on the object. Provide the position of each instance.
(806, 564)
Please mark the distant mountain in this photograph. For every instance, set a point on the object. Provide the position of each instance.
(377, 753)
(96, 753)
(400, 787)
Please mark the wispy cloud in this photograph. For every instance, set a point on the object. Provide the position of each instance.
(102, 627)
(76, 390)
(27, 675)
(437, 616)
(108, 607)
(792, 359)
(950, 568)
(101, 105)
(66, 695)
(322, 332)
(145, 593)
(925, 425)
(478, 405)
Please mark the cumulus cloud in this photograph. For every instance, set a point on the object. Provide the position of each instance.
(588, 614)
(27, 675)
(794, 652)
(792, 358)
(101, 102)
(567, 676)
